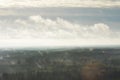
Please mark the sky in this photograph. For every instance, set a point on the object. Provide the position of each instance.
(25, 23)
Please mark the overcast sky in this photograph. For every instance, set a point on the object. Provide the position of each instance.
(59, 3)
(59, 22)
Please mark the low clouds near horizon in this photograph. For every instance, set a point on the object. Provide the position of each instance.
(37, 27)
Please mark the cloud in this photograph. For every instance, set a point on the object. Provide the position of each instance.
(37, 27)
(59, 3)
(36, 31)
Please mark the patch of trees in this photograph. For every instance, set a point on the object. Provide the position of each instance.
(92, 70)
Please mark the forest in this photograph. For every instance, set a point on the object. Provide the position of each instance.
(60, 64)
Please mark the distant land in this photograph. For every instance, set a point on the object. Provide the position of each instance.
(60, 63)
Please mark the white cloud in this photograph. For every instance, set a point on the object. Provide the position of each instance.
(59, 3)
(39, 31)
(37, 27)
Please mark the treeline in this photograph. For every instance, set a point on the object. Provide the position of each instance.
(44, 75)
(92, 70)
(75, 64)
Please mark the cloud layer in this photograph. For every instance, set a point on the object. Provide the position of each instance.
(36, 31)
(37, 27)
(59, 3)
